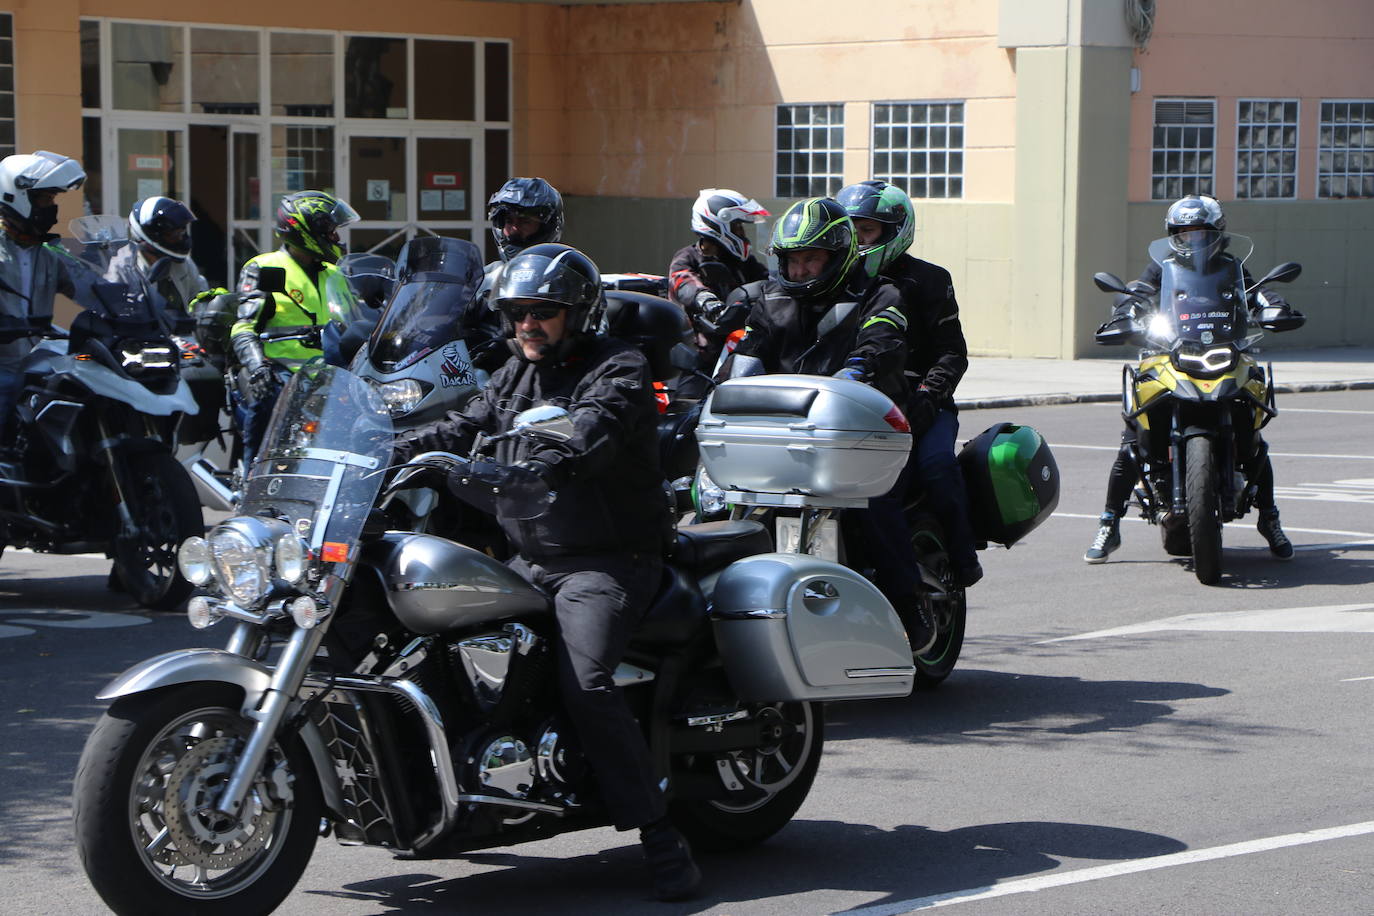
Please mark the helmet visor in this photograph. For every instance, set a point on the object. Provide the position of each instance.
(545, 279)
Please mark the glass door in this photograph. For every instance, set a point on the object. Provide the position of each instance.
(250, 227)
(446, 186)
(150, 162)
(377, 169)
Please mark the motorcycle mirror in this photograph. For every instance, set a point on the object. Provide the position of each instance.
(271, 279)
(1286, 272)
(1109, 283)
(683, 357)
(545, 421)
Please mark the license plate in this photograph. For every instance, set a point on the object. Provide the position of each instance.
(825, 540)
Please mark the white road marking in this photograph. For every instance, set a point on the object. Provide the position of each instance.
(1348, 679)
(1353, 490)
(1363, 535)
(1115, 870)
(1113, 448)
(64, 619)
(1322, 410)
(1333, 618)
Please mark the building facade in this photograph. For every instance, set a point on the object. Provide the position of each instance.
(1041, 139)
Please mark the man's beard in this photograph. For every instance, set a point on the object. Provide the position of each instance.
(538, 338)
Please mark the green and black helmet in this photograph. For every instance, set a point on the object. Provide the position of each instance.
(817, 222)
(887, 204)
(311, 220)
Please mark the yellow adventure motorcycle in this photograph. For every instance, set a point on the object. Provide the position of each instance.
(1197, 398)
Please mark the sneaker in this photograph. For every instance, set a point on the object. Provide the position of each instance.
(1108, 539)
(675, 873)
(919, 623)
(1268, 527)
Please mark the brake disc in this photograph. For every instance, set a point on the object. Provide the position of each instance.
(208, 838)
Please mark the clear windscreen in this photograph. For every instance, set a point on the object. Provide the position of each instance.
(1202, 286)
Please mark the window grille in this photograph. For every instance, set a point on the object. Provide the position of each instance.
(810, 154)
(919, 146)
(1345, 149)
(1184, 148)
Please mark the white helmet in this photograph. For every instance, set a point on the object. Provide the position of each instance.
(27, 172)
(716, 213)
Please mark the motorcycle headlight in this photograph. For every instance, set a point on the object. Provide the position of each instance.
(401, 396)
(242, 565)
(1160, 328)
(193, 559)
(1207, 362)
(710, 498)
(291, 556)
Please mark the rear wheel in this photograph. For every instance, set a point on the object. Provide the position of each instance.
(948, 609)
(1204, 522)
(165, 508)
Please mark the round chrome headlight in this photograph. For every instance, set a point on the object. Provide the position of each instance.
(291, 556)
(193, 559)
(710, 498)
(401, 395)
(242, 568)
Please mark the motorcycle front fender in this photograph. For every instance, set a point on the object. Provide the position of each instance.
(102, 381)
(186, 666)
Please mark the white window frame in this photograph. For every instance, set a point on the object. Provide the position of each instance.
(906, 180)
(1181, 150)
(1365, 150)
(834, 175)
(1266, 150)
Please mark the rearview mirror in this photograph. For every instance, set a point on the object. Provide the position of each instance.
(1286, 272)
(683, 357)
(1109, 283)
(271, 280)
(545, 421)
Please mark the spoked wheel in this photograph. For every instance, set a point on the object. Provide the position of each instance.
(771, 781)
(166, 511)
(949, 610)
(1204, 523)
(144, 795)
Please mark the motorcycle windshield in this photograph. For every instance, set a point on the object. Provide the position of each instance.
(455, 258)
(340, 302)
(96, 238)
(329, 436)
(425, 313)
(1202, 287)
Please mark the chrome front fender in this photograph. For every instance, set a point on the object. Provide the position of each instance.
(186, 666)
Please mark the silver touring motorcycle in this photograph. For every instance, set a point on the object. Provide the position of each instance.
(397, 689)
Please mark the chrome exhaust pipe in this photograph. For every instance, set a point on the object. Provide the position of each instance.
(213, 493)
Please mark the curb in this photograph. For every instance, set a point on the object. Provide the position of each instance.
(1050, 400)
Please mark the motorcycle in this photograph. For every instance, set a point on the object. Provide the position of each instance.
(91, 465)
(430, 723)
(795, 451)
(1197, 398)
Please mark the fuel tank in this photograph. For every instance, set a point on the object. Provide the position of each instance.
(435, 585)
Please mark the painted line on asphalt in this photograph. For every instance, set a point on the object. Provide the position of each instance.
(1322, 410)
(1331, 618)
(1362, 535)
(1115, 870)
(1113, 448)
(1346, 680)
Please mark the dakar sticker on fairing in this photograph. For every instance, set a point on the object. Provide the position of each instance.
(455, 371)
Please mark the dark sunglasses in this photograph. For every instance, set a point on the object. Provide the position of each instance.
(517, 313)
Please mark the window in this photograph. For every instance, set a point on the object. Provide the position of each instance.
(1266, 147)
(375, 72)
(224, 71)
(6, 84)
(810, 149)
(1184, 148)
(302, 74)
(147, 66)
(919, 146)
(1345, 149)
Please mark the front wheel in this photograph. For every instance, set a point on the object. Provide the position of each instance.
(1204, 523)
(165, 509)
(143, 797)
(772, 780)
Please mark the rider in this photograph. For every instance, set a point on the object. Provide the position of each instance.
(160, 230)
(596, 549)
(703, 274)
(308, 224)
(821, 313)
(522, 212)
(885, 222)
(32, 269)
(1187, 216)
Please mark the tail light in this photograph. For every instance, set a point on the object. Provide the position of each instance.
(897, 420)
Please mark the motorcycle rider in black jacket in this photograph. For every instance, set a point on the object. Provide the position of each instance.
(820, 313)
(1189, 214)
(937, 357)
(598, 547)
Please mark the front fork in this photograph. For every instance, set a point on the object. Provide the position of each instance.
(1224, 455)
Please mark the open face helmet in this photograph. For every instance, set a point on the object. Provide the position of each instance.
(886, 204)
(532, 197)
(724, 216)
(311, 220)
(815, 223)
(1195, 225)
(558, 275)
(24, 175)
(162, 224)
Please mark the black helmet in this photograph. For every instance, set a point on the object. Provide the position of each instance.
(1195, 212)
(532, 196)
(311, 220)
(817, 222)
(559, 275)
(162, 224)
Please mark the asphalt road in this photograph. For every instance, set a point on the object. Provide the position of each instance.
(1117, 738)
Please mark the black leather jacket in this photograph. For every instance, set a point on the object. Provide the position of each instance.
(937, 355)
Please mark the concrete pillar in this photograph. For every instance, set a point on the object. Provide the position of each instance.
(1073, 60)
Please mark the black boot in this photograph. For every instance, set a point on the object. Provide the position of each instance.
(675, 874)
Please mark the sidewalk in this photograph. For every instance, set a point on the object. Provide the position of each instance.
(1000, 382)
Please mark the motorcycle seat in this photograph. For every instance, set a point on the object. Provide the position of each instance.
(714, 545)
(678, 612)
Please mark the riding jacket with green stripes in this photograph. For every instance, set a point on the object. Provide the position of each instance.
(863, 326)
(937, 355)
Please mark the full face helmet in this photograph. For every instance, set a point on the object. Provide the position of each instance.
(311, 220)
(820, 223)
(558, 275)
(162, 224)
(1196, 225)
(723, 216)
(886, 204)
(525, 197)
(28, 174)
